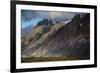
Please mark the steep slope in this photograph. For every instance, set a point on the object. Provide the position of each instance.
(25, 30)
(71, 39)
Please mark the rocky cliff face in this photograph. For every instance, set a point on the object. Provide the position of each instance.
(71, 39)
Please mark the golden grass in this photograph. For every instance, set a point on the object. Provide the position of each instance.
(44, 59)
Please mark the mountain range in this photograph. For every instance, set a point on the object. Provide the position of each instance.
(59, 39)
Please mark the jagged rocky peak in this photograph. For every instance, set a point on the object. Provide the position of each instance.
(45, 21)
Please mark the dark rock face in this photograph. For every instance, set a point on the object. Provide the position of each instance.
(45, 22)
(72, 39)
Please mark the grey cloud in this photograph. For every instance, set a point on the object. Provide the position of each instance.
(29, 14)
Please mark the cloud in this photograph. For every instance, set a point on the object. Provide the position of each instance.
(56, 14)
(29, 14)
(32, 14)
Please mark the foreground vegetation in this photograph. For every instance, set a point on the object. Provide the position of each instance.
(44, 59)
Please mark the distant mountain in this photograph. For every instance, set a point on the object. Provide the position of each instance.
(25, 30)
(60, 19)
(70, 39)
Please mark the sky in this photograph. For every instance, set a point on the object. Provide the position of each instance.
(32, 17)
